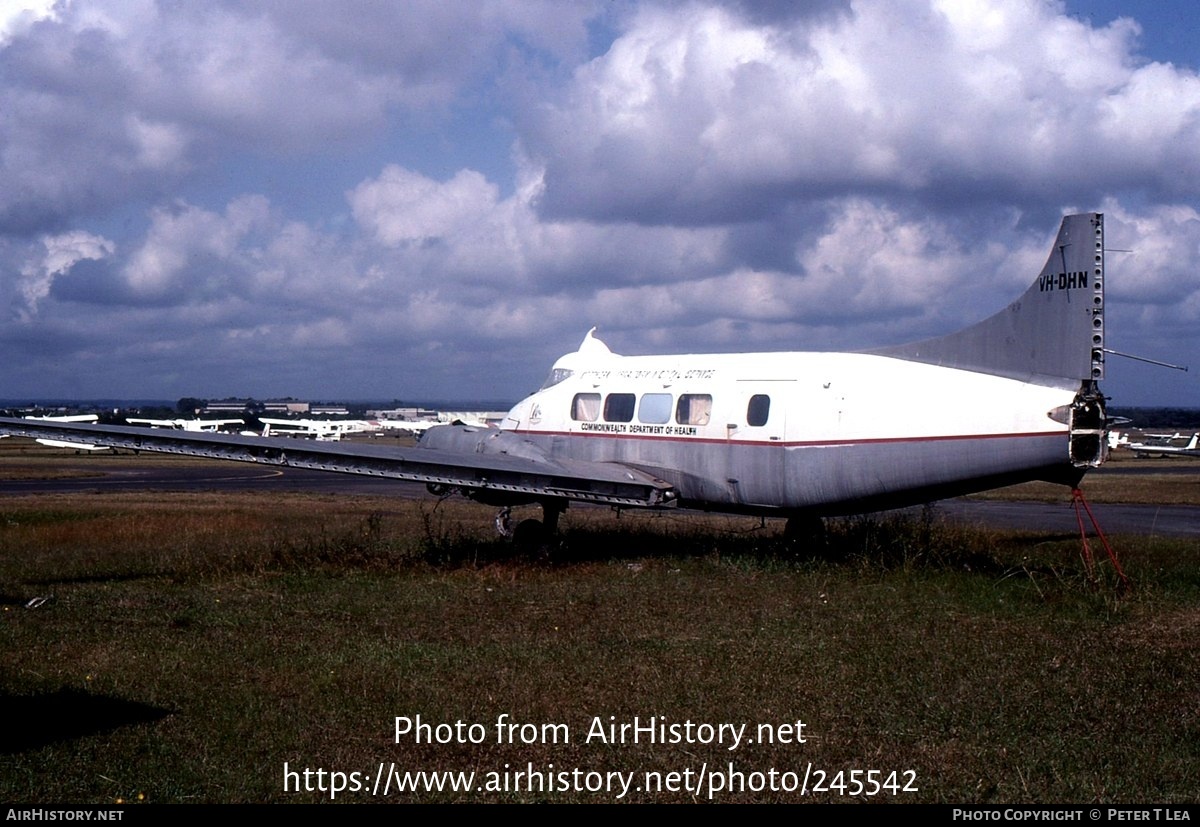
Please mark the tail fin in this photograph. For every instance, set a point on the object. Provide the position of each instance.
(1053, 335)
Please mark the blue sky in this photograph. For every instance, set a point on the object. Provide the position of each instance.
(434, 200)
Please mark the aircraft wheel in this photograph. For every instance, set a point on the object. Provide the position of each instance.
(805, 537)
(807, 529)
(531, 537)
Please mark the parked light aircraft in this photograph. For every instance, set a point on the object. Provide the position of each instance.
(74, 446)
(1012, 398)
(324, 430)
(418, 426)
(188, 424)
(1164, 448)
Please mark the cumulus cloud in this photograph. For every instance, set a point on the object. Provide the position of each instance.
(272, 193)
(696, 114)
(184, 236)
(1155, 252)
(100, 99)
(464, 231)
(435, 47)
(16, 18)
(405, 207)
(59, 254)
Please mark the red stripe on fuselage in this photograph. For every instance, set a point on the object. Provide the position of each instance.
(765, 443)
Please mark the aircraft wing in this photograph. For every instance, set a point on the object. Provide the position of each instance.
(492, 465)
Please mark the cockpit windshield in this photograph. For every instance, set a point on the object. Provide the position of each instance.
(556, 375)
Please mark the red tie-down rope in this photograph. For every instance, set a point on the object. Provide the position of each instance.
(1077, 500)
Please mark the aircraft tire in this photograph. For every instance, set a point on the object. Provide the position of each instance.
(804, 536)
(530, 537)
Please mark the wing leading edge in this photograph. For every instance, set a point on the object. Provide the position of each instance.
(500, 468)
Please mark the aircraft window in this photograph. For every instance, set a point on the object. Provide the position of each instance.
(655, 408)
(618, 407)
(758, 410)
(693, 409)
(556, 375)
(585, 407)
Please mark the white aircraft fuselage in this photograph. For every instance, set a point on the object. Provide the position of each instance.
(833, 432)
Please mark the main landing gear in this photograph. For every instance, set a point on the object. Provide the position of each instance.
(531, 536)
(804, 529)
(805, 537)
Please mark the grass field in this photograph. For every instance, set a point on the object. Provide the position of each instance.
(1173, 481)
(184, 647)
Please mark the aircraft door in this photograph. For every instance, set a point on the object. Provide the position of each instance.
(756, 469)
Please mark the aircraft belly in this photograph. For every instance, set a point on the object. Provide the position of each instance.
(831, 478)
(845, 477)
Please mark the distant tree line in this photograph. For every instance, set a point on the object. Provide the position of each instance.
(1178, 418)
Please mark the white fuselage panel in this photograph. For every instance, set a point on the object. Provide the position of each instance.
(796, 430)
